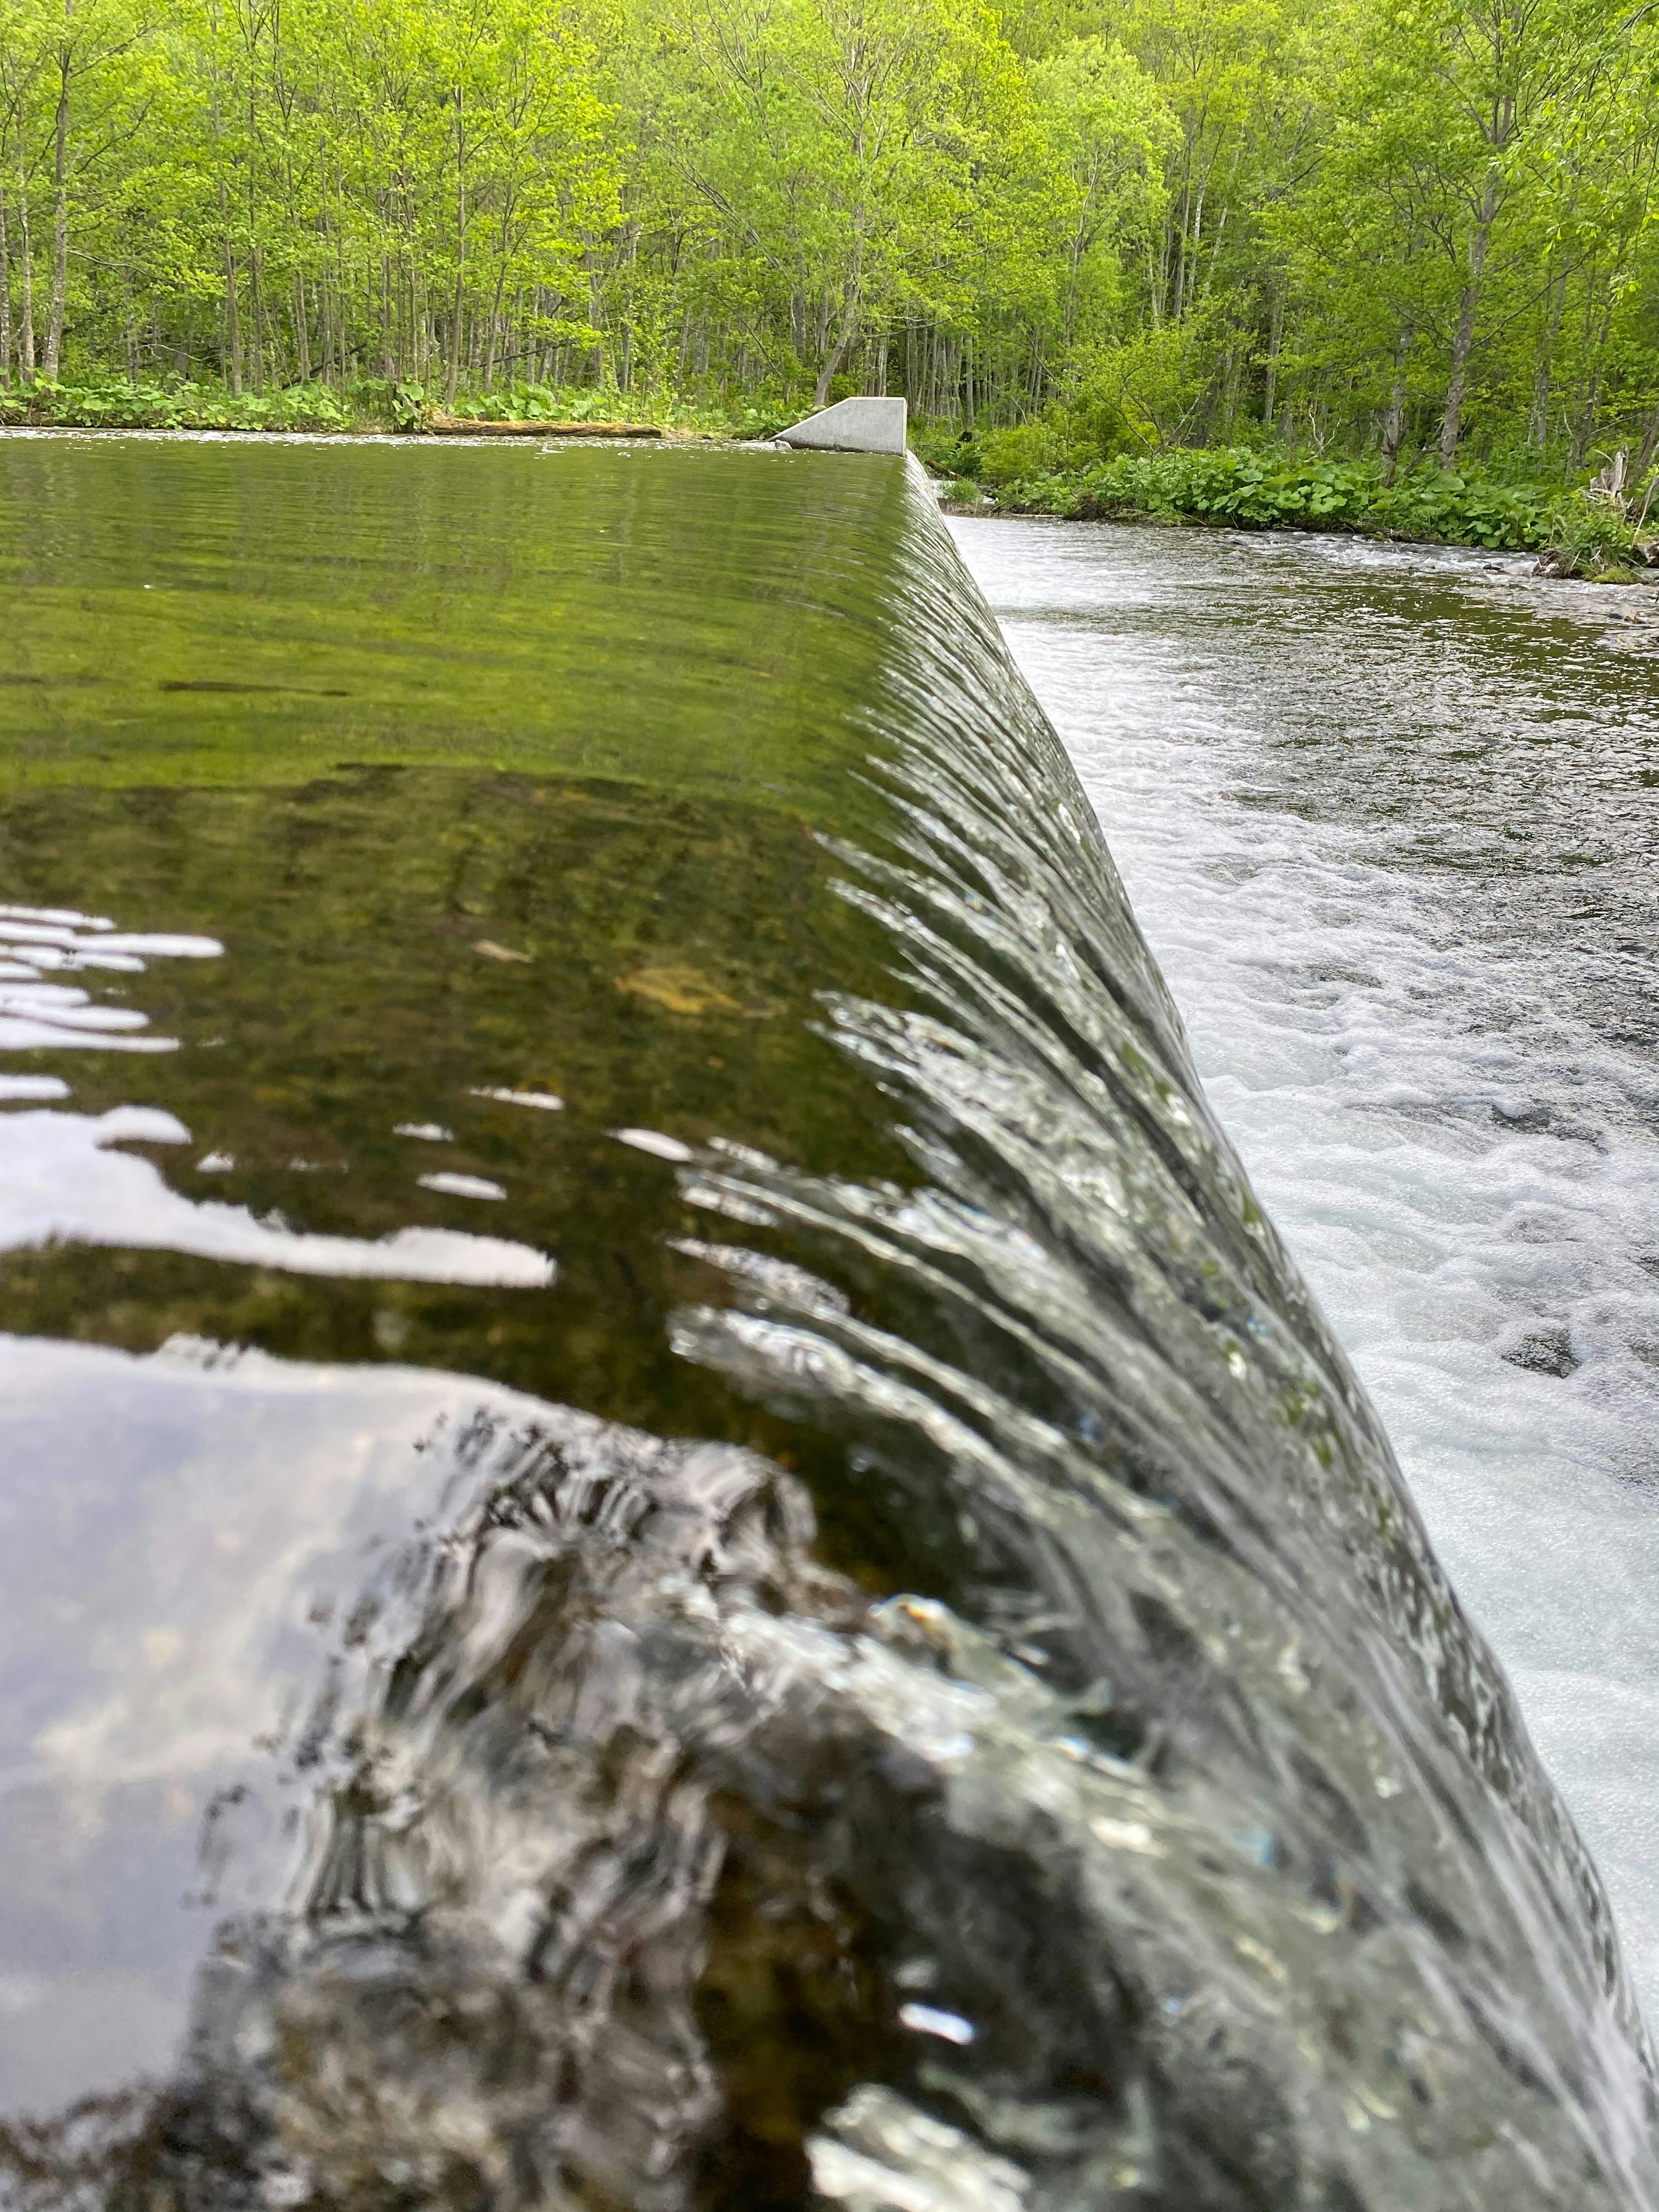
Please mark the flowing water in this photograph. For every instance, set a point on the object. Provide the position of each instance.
(674, 1533)
(1390, 818)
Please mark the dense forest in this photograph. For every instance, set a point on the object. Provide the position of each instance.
(1378, 226)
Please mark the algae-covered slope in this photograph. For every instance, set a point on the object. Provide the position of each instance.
(202, 611)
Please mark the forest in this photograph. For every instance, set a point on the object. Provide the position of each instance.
(1067, 230)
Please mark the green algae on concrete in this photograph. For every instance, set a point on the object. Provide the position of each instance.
(201, 612)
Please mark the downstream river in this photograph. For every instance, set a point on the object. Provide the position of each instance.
(1390, 821)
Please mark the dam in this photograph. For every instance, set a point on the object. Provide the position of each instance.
(675, 1535)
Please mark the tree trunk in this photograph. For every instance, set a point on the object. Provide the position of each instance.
(5, 297)
(302, 332)
(258, 302)
(1275, 334)
(232, 322)
(26, 350)
(494, 347)
(1468, 305)
(456, 318)
(1538, 419)
(1584, 428)
(1393, 427)
(232, 342)
(832, 362)
(60, 220)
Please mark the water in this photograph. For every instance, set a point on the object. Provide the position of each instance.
(1389, 819)
(674, 1535)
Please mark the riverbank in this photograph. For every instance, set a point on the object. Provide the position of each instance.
(1582, 531)
(368, 405)
(1577, 531)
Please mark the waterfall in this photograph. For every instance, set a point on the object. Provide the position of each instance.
(884, 1659)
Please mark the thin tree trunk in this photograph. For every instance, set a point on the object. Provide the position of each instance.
(258, 320)
(1275, 336)
(5, 296)
(1538, 419)
(832, 362)
(453, 377)
(26, 361)
(233, 313)
(59, 221)
(1394, 428)
(301, 332)
(1189, 256)
(496, 328)
(1595, 347)
(1468, 306)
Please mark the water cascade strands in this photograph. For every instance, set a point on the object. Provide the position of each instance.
(658, 1457)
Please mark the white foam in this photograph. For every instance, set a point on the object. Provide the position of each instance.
(1442, 1145)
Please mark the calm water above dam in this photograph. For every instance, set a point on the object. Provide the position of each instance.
(672, 1534)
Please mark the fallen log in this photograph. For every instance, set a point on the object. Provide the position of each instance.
(458, 426)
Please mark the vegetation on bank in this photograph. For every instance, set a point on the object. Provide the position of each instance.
(1597, 530)
(366, 404)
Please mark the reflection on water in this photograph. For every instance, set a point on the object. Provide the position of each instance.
(674, 1536)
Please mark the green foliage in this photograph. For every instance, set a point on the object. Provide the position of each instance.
(369, 404)
(1255, 489)
(1593, 536)
(1345, 230)
(121, 404)
(384, 399)
(1114, 131)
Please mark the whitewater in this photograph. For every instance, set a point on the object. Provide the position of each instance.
(1387, 818)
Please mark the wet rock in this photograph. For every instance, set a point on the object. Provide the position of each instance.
(1545, 1349)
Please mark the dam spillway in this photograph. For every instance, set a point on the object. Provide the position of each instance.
(674, 1536)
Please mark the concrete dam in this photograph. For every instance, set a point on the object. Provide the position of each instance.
(674, 1536)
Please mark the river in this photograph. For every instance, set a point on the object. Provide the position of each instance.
(1390, 817)
(672, 1532)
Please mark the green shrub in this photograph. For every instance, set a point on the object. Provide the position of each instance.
(1591, 536)
(367, 402)
(1040, 448)
(1253, 489)
(121, 404)
(945, 450)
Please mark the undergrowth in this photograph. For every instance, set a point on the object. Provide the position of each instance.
(369, 404)
(1250, 489)
(121, 403)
